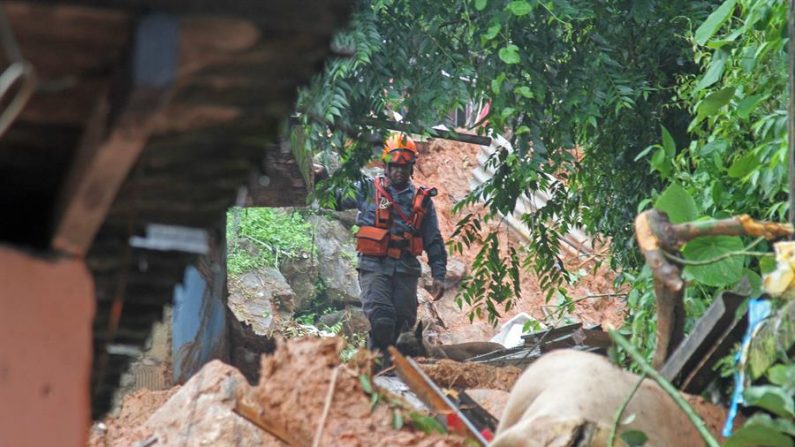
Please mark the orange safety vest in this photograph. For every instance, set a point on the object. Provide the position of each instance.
(376, 240)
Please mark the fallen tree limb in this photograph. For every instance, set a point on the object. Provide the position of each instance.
(660, 240)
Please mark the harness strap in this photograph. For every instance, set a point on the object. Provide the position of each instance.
(380, 190)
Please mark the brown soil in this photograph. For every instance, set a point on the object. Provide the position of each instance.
(292, 391)
(450, 374)
(448, 166)
(135, 409)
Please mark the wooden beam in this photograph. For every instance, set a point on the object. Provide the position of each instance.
(714, 335)
(116, 135)
(308, 17)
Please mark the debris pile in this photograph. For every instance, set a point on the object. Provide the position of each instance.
(305, 397)
(450, 374)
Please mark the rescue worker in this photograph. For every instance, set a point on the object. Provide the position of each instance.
(397, 221)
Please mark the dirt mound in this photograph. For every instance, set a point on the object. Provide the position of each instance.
(297, 383)
(135, 409)
(448, 166)
(450, 374)
(294, 387)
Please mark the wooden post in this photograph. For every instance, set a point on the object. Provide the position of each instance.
(116, 135)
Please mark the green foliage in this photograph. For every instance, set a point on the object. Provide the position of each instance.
(634, 438)
(736, 161)
(722, 273)
(426, 424)
(677, 204)
(263, 237)
(559, 74)
(760, 430)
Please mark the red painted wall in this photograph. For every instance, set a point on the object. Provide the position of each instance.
(46, 310)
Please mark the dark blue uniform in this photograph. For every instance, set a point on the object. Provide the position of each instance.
(389, 286)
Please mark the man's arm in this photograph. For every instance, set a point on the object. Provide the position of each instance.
(360, 194)
(434, 245)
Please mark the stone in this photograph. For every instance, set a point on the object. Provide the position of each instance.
(259, 296)
(302, 274)
(352, 318)
(337, 260)
(201, 413)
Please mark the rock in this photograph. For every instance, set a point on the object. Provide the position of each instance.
(346, 217)
(353, 320)
(256, 301)
(201, 413)
(337, 260)
(259, 296)
(246, 347)
(302, 274)
(456, 270)
(331, 318)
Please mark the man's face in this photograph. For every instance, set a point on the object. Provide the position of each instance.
(399, 175)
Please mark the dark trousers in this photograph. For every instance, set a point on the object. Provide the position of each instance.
(390, 303)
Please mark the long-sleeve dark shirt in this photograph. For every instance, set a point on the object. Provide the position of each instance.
(364, 201)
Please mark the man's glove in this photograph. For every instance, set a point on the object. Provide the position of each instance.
(437, 289)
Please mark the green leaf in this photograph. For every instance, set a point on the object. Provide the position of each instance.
(520, 8)
(767, 264)
(760, 430)
(782, 375)
(772, 398)
(716, 146)
(715, 70)
(510, 54)
(492, 32)
(366, 385)
(714, 22)
(677, 203)
(743, 165)
(712, 103)
(524, 91)
(748, 104)
(634, 438)
(754, 280)
(668, 142)
(480, 5)
(426, 424)
(661, 162)
(397, 419)
(718, 274)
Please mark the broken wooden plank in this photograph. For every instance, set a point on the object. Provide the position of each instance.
(715, 333)
(430, 394)
(117, 135)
